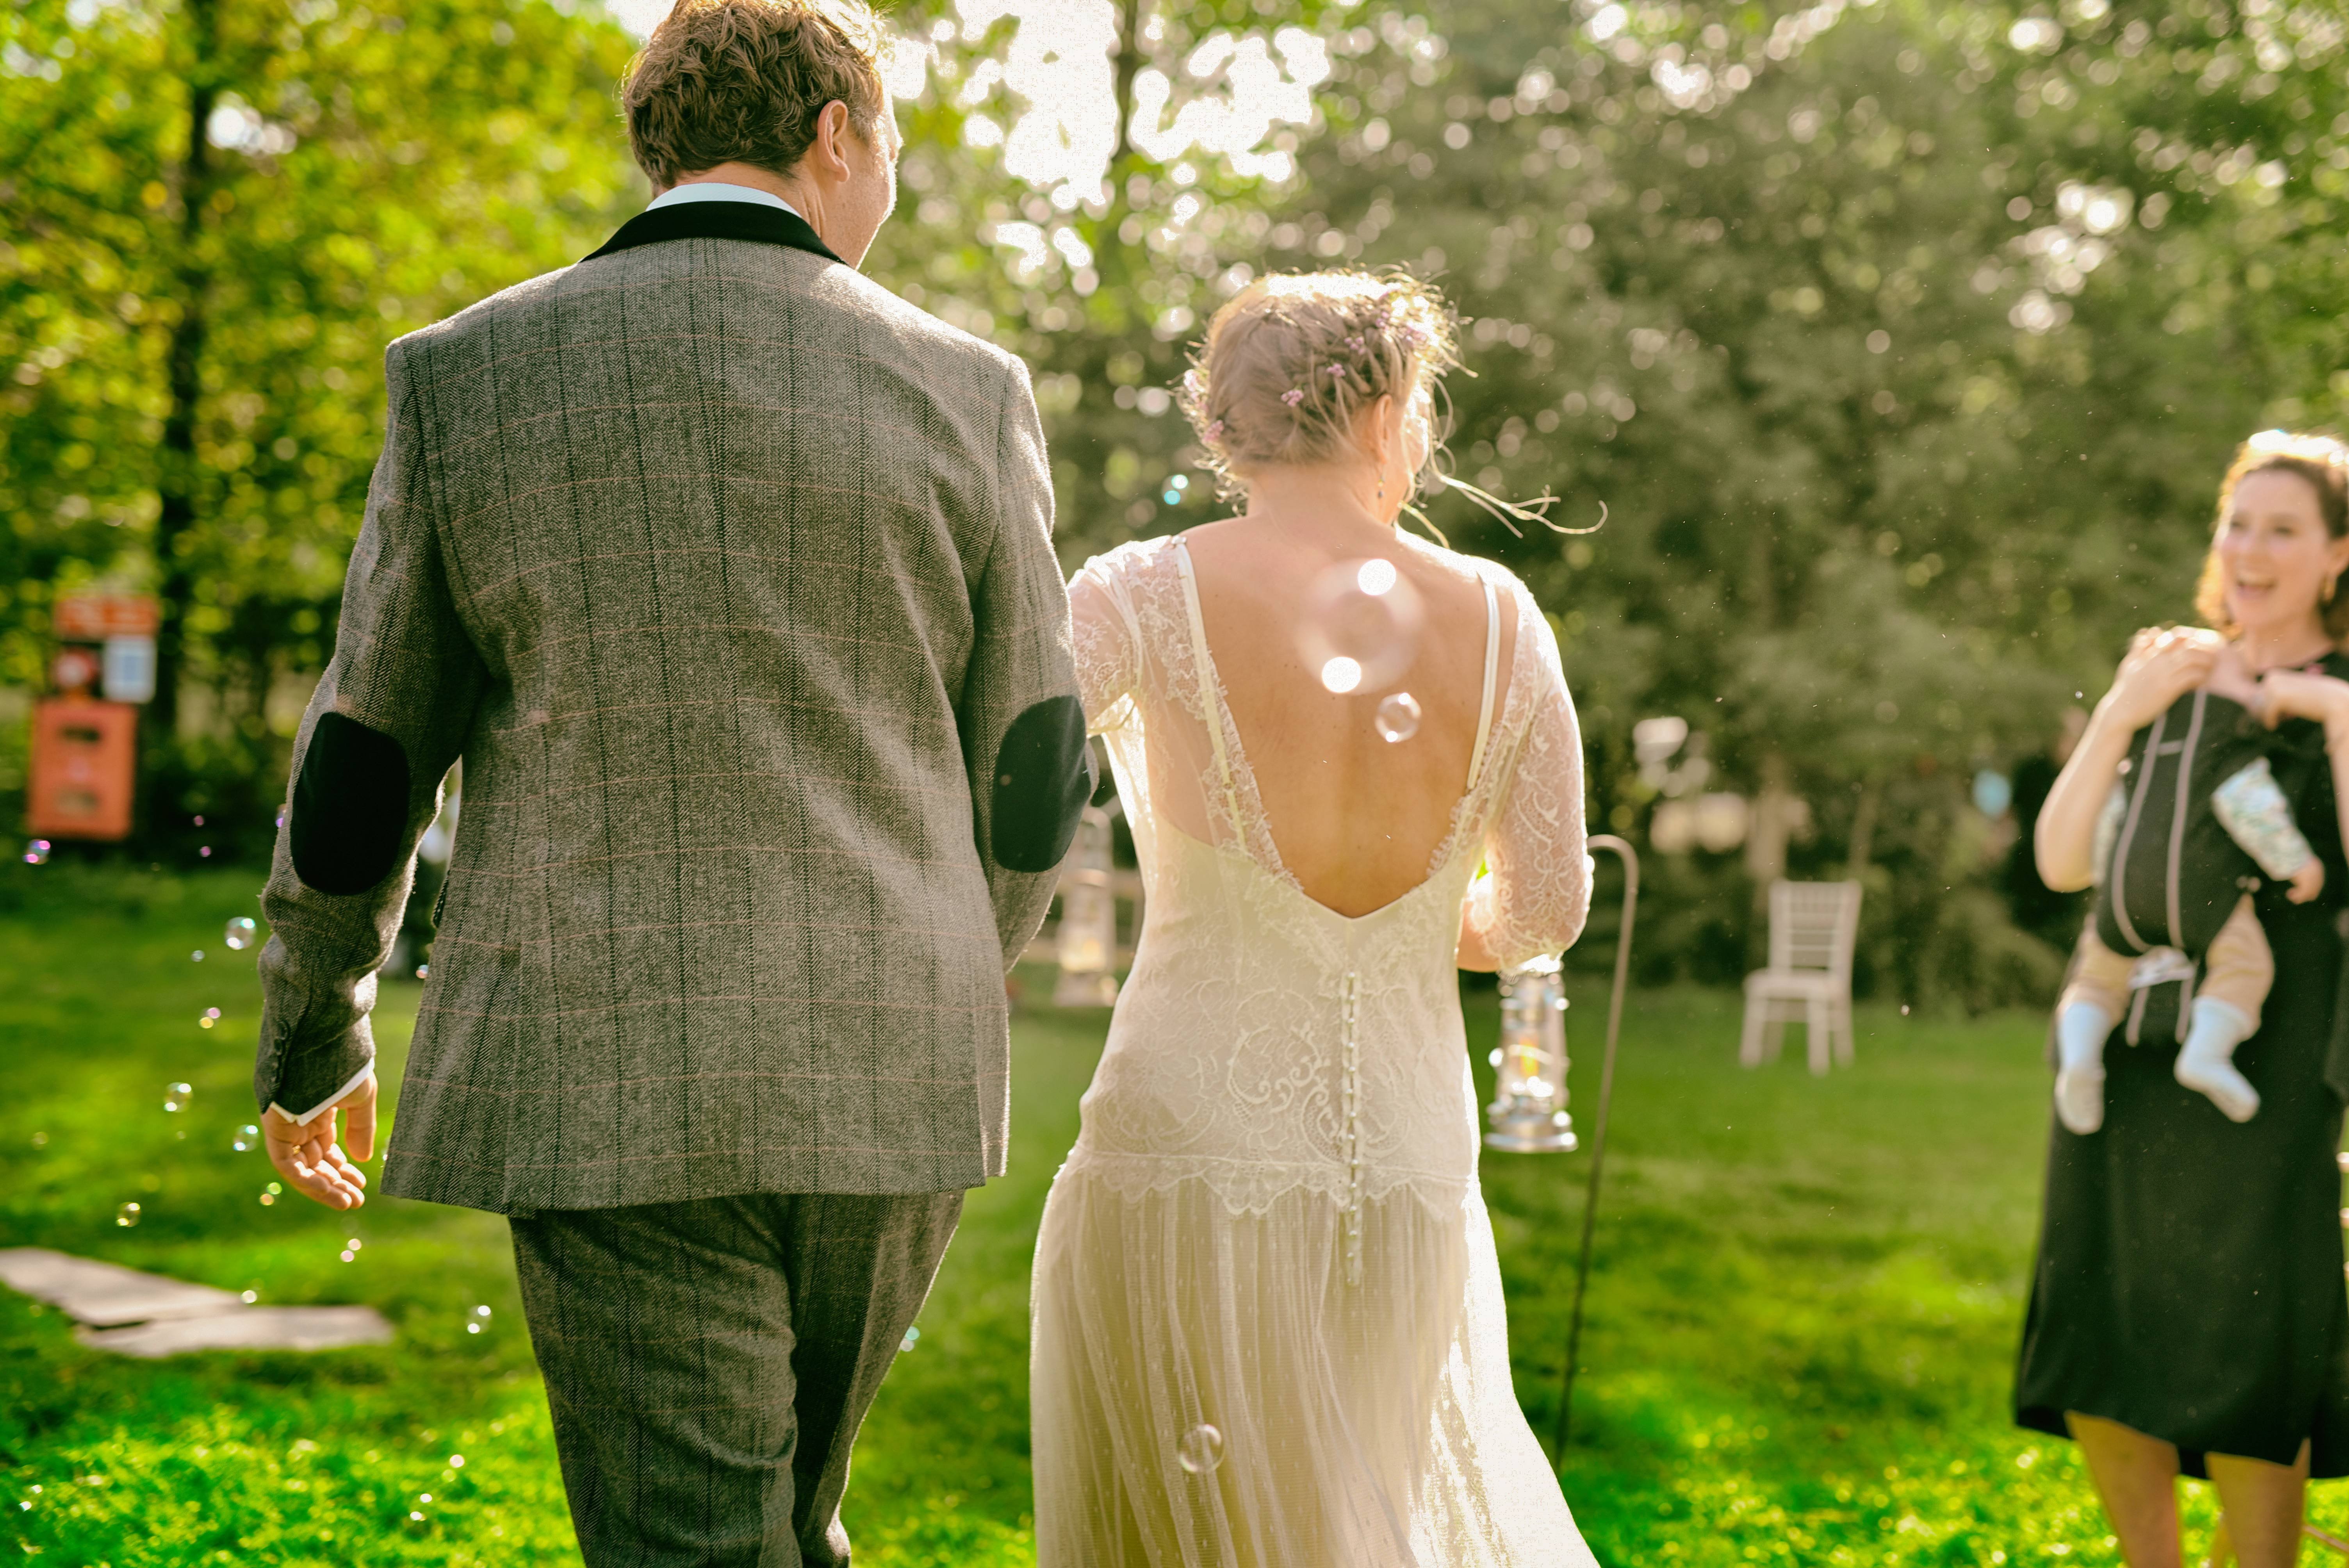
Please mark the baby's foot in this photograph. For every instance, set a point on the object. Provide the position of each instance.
(2080, 1099)
(2216, 1077)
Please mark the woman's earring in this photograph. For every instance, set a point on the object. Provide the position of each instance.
(1382, 501)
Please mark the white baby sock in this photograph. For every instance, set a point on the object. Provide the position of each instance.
(2206, 1062)
(2080, 1031)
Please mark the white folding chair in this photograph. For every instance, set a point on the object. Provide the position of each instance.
(1813, 929)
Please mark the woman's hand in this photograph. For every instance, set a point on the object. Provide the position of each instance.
(2295, 694)
(2160, 668)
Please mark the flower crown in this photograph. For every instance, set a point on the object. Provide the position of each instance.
(1391, 321)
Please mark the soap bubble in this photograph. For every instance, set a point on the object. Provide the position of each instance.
(1361, 626)
(1201, 1450)
(240, 932)
(37, 853)
(1398, 718)
(40, 1140)
(913, 1335)
(175, 1096)
(197, 956)
(127, 1215)
(248, 1138)
(211, 1017)
(478, 1320)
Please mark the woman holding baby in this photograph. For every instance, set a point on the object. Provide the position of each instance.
(2187, 1313)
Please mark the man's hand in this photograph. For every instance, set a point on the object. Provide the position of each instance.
(2307, 881)
(308, 1156)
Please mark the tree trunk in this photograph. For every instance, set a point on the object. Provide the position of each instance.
(177, 480)
(1863, 831)
(1114, 260)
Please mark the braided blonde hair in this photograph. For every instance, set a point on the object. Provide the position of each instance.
(1293, 360)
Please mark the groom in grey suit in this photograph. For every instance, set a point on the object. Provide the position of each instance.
(729, 575)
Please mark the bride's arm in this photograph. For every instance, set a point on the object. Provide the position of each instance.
(1103, 639)
(1537, 892)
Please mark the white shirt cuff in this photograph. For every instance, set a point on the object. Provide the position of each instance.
(326, 1104)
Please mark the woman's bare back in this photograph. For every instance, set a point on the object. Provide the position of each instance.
(1357, 818)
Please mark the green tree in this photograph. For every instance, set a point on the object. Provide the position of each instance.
(1903, 406)
(217, 214)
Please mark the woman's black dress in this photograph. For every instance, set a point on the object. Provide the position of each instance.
(2190, 1280)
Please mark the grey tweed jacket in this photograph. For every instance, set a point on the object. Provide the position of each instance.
(728, 575)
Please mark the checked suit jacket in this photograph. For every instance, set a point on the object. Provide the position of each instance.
(729, 575)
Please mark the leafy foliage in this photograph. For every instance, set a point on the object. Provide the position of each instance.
(1902, 344)
(217, 214)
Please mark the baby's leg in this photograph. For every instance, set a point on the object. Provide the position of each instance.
(2085, 1014)
(2236, 975)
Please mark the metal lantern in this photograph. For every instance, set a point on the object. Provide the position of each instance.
(1529, 1113)
(1528, 1110)
(1087, 933)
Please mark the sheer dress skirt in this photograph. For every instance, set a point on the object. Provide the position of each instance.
(1367, 1425)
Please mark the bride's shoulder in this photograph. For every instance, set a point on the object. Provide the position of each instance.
(1134, 559)
(1474, 570)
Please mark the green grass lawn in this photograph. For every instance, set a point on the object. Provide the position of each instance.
(1801, 1324)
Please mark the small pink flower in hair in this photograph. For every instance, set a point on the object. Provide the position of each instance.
(1214, 430)
(1190, 382)
(1337, 372)
(1293, 397)
(1354, 345)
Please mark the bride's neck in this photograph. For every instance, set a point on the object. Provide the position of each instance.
(1342, 500)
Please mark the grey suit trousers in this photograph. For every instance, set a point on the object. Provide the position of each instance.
(708, 1364)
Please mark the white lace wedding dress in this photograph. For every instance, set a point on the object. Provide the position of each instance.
(1270, 1224)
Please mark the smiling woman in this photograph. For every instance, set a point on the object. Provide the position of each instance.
(2179, 1324)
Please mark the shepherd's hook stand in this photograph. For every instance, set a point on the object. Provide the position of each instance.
(1630, 858)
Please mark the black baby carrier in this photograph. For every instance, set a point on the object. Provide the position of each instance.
(2174, 874)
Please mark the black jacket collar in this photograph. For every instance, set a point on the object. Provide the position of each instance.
(753, 220)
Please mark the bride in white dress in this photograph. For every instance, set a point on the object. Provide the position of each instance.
(1268, 1324)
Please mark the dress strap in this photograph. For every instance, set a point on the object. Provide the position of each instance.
(1492, 673)
(1210, 701)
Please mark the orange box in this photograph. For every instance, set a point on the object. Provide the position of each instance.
(83, 766)
(94, 618)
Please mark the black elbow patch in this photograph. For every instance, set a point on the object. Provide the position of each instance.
(350, 806)
(1042, 780)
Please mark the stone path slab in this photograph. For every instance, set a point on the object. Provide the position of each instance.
(103, 1295)
(151, 1315)
(247, 1328)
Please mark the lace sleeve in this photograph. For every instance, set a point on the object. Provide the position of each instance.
(1107, 644)
(1538, 893)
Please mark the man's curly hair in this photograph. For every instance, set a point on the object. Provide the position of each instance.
(742, 81)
